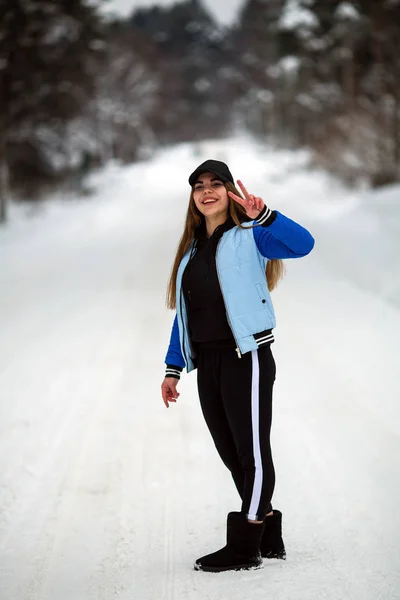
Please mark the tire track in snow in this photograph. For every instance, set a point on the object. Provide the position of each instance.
(168, 592)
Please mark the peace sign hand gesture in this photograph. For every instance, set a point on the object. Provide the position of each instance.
(253, 205)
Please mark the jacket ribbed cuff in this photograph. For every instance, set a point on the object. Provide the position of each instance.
(266, 217)
(173, 371)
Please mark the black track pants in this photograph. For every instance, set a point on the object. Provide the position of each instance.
(236, 400)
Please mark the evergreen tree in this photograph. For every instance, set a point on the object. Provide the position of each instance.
(45, 58)
(128, 95)
(190, 46)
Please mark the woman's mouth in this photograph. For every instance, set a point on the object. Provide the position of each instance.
(210, 201)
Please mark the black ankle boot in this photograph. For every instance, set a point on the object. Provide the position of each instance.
(242, 550)
(272, 545)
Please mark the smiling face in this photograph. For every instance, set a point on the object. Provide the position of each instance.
(210, 196)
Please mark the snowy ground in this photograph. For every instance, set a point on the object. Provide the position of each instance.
(106, 494)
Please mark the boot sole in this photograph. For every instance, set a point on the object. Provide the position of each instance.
(221, 569)
(280, 555)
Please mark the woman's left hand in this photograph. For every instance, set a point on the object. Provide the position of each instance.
(253, 205)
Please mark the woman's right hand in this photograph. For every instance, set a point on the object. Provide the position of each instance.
(168, 390)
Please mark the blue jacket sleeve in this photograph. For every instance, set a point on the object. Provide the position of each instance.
(283, 238)
(174, 355)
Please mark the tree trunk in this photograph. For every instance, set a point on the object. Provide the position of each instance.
(3, 180)
(3, 193)
(396, 126)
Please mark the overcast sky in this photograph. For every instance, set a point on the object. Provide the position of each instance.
(225, 11)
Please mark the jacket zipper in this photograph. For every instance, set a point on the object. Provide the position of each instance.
(180, 302)
(226, 310)
(183, 329)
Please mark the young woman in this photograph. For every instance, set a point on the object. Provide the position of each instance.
(228, 259)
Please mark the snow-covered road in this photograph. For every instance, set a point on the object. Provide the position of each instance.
(106, 494)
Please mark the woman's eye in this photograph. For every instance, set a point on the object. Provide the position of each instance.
(215, 184)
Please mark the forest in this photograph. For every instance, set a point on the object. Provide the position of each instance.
(79, 89)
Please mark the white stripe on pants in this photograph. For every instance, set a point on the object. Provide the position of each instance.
(255, 423)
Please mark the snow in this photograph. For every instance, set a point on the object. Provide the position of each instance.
(345, 10)
(223, 11)
(296, 16)
(289, 64)
(105, 494)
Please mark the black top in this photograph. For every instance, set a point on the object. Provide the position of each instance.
(204, 302)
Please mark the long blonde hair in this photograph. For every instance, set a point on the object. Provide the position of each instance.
(274, 271)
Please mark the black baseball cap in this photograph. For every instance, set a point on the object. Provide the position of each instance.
(214, 166)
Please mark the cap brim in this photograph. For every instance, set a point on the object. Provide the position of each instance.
(196, 174)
